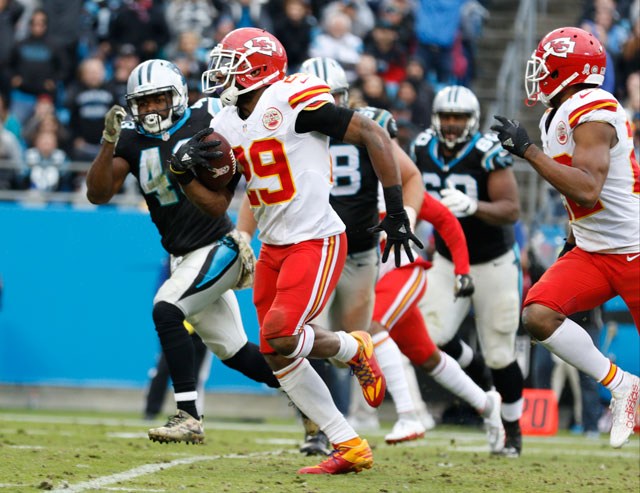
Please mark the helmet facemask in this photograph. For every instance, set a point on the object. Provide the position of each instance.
(228, 69)
(154, 78)
(158, 120)
(463, 132)
(456, 100)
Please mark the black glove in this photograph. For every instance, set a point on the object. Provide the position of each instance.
(192, 153)
(513, 137)
(396, 226)
(464, 286)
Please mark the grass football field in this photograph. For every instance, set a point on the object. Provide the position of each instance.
(79, 451)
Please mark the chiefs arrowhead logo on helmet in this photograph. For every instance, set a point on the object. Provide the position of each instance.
(261, 44)
(559, 47)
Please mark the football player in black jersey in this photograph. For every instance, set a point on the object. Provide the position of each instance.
(354, 197)
(208, 257)
(472, 175)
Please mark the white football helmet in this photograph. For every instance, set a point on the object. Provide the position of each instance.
(332, 73)
(456, 99)
(154, 77)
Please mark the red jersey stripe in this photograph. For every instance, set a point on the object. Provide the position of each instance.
(307, 94)
(603, 104)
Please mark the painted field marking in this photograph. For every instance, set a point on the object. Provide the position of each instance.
(153, 468)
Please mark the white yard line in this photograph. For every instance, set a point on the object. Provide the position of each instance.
(153, 468)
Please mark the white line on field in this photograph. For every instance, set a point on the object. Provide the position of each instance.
(152, 468)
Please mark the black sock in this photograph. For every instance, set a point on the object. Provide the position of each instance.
(509, 382)
(178, 351)
(476, 369)
(250, 362)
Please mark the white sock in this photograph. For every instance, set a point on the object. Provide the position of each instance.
(453, 378)
(308, 391)
(512, 411)
(348, 347)
(466, 357)
(571, 343)
(390, 361)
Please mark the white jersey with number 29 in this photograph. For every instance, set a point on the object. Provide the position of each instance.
(288, 174)
(613, 224)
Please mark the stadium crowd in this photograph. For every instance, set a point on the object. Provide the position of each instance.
(59, 78)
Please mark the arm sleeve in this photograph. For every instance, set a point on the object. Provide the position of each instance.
(327, 119)
(448, 226)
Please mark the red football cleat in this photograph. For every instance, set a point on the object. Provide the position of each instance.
(366, 369)
(344, 460)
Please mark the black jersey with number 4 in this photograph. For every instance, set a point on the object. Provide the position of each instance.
(354, 195)
(182, 226)
(467, 171)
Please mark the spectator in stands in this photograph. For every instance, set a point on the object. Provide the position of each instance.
(44, 118)
(88, 100)
(399, 15)
(124, 62)
(249, 13)
(195, 16)
(224, 26)
(338, 42)
(383, 43)
(612, 34)
(437, 24)
(294, 30)
(35, 66)
(141, 23)
(94, 21)
(10, 12)
(632, 105)
(11, 166)
(48, 165)
(7, 119)
(64, 30)
(360, 14)
(375, 93)
(472, 19)
(630, 56)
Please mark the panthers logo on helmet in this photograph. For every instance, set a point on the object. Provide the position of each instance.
(261, 44)
(560, 47)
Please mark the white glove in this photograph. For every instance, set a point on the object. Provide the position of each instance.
(247, 257)
(458, 202)
(112, 123)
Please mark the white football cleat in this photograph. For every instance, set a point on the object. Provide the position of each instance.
(624, 406)
(493, 422)
(405, 430)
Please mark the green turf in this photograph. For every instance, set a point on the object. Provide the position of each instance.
(75, 452)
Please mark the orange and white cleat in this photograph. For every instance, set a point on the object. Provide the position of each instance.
(344, 460)
(367, 370)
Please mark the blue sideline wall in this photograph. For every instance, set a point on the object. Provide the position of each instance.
(77, 292)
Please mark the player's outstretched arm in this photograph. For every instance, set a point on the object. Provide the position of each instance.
(107, 174)
(582, 182)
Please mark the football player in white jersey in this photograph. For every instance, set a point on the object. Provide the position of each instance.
(279, 128)
(587, 155)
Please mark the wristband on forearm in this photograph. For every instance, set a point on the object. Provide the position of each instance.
(393, 199)
(185, 177)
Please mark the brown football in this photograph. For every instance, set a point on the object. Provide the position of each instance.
(220, 170)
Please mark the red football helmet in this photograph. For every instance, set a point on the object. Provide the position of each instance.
(247, 58)
(564, 57)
